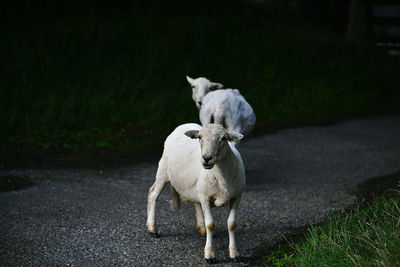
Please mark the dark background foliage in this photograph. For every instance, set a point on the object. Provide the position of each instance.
(102, 73)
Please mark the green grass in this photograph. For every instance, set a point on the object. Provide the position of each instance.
(365, 237)
(95, 69)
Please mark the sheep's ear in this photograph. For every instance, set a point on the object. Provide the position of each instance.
(216, 86)
(234, 136)
(190, 80)
(192, 134)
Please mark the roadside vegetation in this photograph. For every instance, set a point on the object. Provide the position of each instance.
(98, 78)
(368, 236)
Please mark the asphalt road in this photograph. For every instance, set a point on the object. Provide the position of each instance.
(97, 217)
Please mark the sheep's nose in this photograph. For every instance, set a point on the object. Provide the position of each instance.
(207, 158)
(199, 103)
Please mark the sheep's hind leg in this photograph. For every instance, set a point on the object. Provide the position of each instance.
(200, 219)
(175, 200)
(154, 193)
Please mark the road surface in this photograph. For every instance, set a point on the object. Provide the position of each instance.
(96, 217)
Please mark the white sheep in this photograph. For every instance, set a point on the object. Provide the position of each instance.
(226, 107)
(206, 172)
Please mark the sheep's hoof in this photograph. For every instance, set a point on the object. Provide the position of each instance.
(211, 260)
(154, 235)
(240, 260)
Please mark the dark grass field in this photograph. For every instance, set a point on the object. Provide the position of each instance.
(90, 77)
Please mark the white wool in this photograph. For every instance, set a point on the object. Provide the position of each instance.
(206, 170)
(226, 107)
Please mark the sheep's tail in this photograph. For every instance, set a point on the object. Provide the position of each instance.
(176, 200)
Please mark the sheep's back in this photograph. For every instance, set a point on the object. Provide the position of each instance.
(183, 157)
(231, 105)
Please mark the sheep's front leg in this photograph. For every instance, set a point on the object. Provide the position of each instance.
(154, 193)
(200, 218)
(209, 254)
(233, 253)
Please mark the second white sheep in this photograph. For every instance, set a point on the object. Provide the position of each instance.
(226, 107)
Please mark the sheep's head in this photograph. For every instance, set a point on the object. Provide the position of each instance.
(201, 86)
(213, 140)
